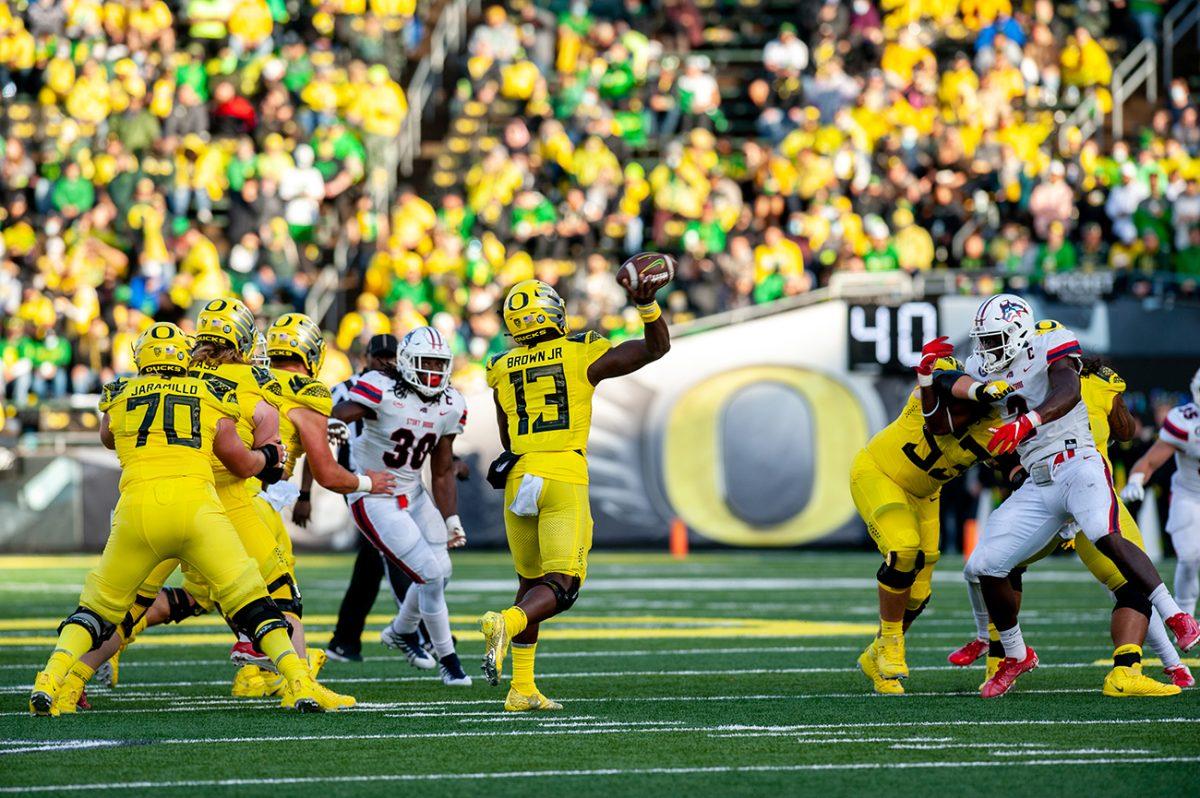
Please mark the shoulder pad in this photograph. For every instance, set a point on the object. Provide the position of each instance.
(1047, 325)
(585, 337)
(495, 359)
(113, 389)
(217, 386)
(301, 385)
(262, 376)
(1108, 375)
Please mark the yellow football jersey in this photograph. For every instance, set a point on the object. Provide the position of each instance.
(547, 398)
(298, 390)
(1099, 391)
(251, 384)
(921, 462)
(164, 426)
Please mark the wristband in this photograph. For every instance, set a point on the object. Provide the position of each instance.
(649, 313)
(925, 380)
(364, 483)
(305, 496)
(1034, 418)
(974, 391)
(270, 456)
(453, 524)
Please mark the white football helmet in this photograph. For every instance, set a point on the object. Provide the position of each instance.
(1003, 324)
(423, 360)
(258, 355)
(1196, 387)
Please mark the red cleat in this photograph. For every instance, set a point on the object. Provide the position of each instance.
(1007, 673)
(1187, 631)
(964, 656)
(1180, 676)
(244, 653)
(83, 702)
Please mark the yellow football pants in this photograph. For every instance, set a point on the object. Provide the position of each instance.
(1104, 569)
(897, 521)
(178, 518)
(558, 538)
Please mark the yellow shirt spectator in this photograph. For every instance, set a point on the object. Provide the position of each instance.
(251, 22)
(1085, 63)
(777, 254)
(203, 264)
(381, 105)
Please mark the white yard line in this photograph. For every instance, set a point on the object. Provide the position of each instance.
(343, 779)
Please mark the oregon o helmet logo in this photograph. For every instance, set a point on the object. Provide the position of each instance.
(759, 456)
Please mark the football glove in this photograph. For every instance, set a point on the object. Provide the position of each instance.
(1135, 489)
(990, 392)
(337, 432)
(458, 535)
(930, 353)
(1006, 439)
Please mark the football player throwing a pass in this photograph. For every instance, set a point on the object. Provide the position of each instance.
(543, 391)
(407, 422)
(1179, 436)
(1047, 426)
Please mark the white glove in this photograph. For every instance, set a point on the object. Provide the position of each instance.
(281, 495)
(1069, 530)
(337, 432)
(1135, 489)
(458, 535)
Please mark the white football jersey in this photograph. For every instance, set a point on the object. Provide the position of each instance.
(1029, 375)
(405, 430)
(1181, 429)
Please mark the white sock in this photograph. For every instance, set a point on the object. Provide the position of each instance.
(1163, 602)
(1160, 642)
(1187, 584)
(1014, 644)
(979, 608)
(432, 599)
(409, 616)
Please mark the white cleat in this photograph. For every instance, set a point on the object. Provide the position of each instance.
(410, 646)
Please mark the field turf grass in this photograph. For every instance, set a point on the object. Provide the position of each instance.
(722, 674)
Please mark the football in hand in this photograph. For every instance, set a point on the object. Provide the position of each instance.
(645, 272)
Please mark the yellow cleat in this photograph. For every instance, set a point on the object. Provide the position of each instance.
(66, 700)
(249, 683)
(519, 702)
(1130, 682)
(495, 641)
(889, 657)
(307, 695)
(866, 663)
(316, 661)
(276, 684)
(41, 699)
(993, 665)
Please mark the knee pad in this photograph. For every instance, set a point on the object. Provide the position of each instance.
(1015, 578)
(97, 627)
(181, 605)
(293, 604)
(258, 618)
(899, 570)
(564, 599)
(1129, 596)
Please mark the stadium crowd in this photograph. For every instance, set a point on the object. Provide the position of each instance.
(158, 154)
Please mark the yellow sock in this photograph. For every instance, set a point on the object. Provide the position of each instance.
(890, 628)
(278, 646)
(522, 667)
(515, 621)
(1127, 655)
(993, 633)
(83, 671)
(73, 642)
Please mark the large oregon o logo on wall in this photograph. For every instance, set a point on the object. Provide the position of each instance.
(760, 456)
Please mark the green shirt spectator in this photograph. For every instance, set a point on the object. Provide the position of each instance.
(72, 194)
(883, 258)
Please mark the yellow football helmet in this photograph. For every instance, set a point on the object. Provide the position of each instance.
(227, 321)
(534, 311)
(296, 335)
(162, 348)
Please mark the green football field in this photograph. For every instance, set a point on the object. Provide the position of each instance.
(721, 674)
